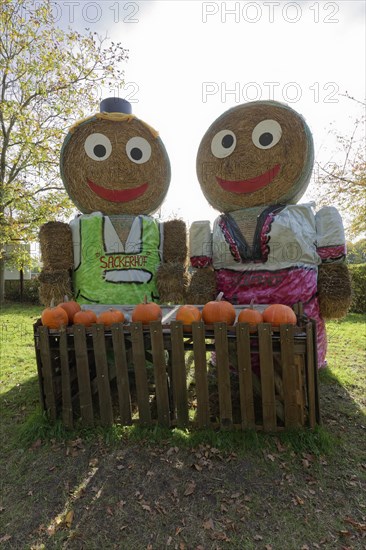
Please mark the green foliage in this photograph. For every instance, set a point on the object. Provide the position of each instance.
(48, 78)
(343, 183)
(356, 252)
(30, 291)
(358, 274)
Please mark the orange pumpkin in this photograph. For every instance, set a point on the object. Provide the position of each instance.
(251, 316)
(85, 317)
(110, 317)
(279, 314)
(54, 317)
(188, 314)
(146, 312)
(70, 307)
(218, 311)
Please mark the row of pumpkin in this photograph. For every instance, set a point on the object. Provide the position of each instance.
(69, 312)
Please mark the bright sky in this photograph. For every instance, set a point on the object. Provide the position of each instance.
(190, 61)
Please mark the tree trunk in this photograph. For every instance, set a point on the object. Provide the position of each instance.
(21, 285)
(2, 279)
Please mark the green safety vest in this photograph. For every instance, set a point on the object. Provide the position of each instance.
(107, 275)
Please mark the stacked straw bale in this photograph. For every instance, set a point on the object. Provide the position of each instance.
(57, 257)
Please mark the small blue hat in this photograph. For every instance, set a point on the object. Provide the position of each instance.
(115, 105)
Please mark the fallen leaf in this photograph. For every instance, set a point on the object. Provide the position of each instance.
(197, 467)
(109, 511)
(208, 524)
(172, 450)
(146, 507)
(220, 535)
(93, 462)
(271, 457)
(190, 488)
(258, 537)
(356, 524)
(36, 444)
(5, 538)
(169, 540)
(280, 447)
(68, 518)
(268, 547)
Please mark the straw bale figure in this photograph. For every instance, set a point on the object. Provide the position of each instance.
(253, 164)
(116, 170)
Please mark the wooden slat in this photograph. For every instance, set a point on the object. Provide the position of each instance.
(310, 374)
(301, 388)
(47, 372)
(120, 361)
(82, 368)
(67, 416)
(138, 357)
(180, 396)
(267, 377)
(200, 367)
(39, 366)
(160, 373)
(316, 372)
(245, 376)
(101, 364)
(289, 376)
(223, 375)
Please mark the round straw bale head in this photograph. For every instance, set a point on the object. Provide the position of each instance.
(255, 154)
(115, 164)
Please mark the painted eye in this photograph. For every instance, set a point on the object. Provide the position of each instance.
(266, 134)
(98, 147)
(223, 144)
(138, 150)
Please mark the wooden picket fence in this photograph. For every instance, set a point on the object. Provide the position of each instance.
(131, 373)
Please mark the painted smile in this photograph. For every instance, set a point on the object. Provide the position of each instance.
(251, 185)
(117, 195)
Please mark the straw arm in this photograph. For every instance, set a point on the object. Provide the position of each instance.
(57, 258)
(334, 282)
(172, 275)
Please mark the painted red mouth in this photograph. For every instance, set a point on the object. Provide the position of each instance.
(251, 185)
(117, 195)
